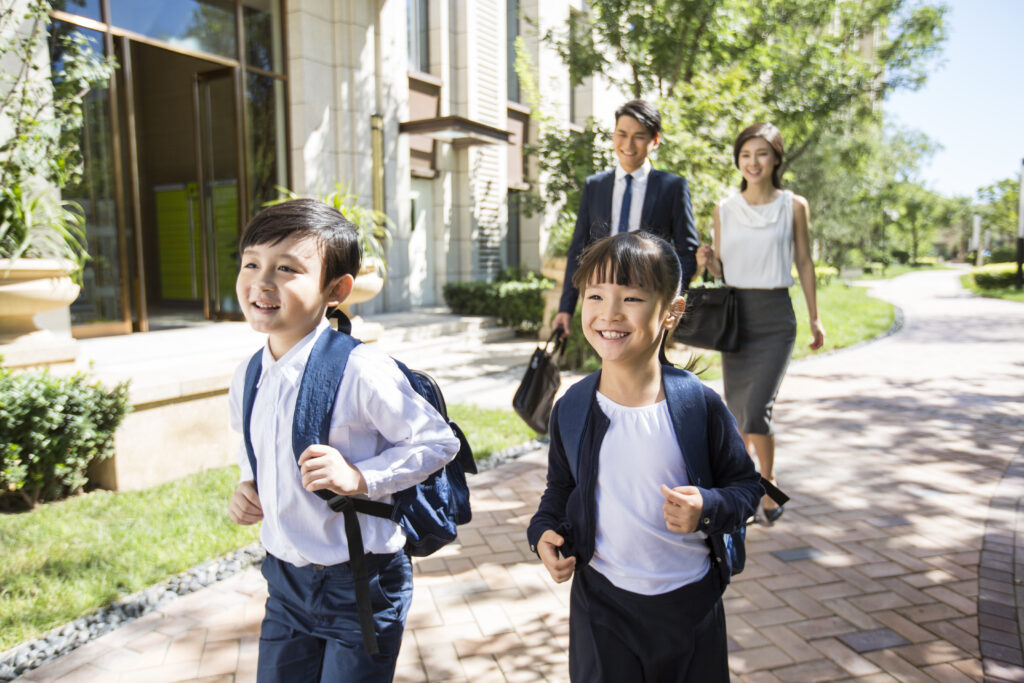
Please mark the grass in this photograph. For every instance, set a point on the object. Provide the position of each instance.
(490, 430)
(1008, 293)
(66, 559)
(848, 314)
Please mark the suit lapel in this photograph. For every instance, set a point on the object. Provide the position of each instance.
(650, 197)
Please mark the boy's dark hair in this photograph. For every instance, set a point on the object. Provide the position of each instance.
(631, 259)
(644, 112)
(770, 134)
(336, 236)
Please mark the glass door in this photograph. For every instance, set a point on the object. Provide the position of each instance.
(217, 195)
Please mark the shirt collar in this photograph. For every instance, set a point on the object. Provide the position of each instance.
(292, 364)
(639, 175)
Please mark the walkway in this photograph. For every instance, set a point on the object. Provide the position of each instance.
(900, 558)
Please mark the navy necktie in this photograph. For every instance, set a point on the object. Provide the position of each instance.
(627, 199)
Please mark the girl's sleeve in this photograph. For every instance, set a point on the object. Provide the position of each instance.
(560, 484)
(737, 485)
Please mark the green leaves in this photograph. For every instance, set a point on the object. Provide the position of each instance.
(51, 428)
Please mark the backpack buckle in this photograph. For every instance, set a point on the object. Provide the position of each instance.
(341, 504)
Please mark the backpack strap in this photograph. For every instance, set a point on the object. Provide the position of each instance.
(573, 411)
(689, 413)
(252, 378)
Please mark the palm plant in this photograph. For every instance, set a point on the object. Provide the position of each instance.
(374, 227)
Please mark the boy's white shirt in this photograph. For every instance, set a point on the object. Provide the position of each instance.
(380, 425)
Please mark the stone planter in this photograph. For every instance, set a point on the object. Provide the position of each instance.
(29, 287)
(368, 284)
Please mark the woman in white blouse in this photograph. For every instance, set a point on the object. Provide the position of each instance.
(759, 234)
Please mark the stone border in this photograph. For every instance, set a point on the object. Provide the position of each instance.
(1001, 579)
(63, 639)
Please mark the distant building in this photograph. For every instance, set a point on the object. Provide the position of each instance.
(414, 105)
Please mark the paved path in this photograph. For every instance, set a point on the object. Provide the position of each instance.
(900, 558)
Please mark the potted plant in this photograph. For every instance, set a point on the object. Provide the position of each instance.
(42, 238)
(374, 229)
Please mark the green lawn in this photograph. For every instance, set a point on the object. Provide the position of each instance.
(66, 559)
(848, 314)
(1009, 293)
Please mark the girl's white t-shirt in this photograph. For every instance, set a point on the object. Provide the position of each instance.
(634, 549)
(756, 242)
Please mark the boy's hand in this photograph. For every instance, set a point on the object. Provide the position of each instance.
(560, 568)
(245, 507)
(683, 506)
(323, 467)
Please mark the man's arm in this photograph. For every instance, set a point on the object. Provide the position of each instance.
(579, 240)
(684, 231)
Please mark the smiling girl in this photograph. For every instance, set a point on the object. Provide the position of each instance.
(646, 471)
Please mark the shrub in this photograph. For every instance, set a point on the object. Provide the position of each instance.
(822, 274)
(51, 428)
(1003, 254)
(516, 303)
(995, 275)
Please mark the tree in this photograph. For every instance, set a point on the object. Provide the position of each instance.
(816, 68)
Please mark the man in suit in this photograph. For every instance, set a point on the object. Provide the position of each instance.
(632, 196)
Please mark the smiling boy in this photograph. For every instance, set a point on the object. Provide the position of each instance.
(632, 196)
(298, 259)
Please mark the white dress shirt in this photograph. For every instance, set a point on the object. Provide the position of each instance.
(380, 425)
(636, 201)
(633, 547)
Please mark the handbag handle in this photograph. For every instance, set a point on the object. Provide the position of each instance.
(556, 336)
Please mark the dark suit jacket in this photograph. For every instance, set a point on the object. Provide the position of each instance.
(667, 213)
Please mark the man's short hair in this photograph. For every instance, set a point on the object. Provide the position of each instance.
(644, 112)
(337, 237)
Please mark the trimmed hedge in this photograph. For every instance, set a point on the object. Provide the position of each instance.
(995, 275)
(516, 303)
(51, 428)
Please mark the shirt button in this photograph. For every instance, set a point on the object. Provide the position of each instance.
(707, 520)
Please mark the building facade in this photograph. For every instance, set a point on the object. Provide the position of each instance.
(413, 105)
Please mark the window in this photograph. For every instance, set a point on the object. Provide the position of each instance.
(512, 33)
(419, 46)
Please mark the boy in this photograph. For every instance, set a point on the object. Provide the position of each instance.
(298, 259)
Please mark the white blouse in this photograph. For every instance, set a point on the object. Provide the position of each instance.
(634, 549)
(756, 242)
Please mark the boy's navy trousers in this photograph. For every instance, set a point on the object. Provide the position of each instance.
(311, 628)
(617, 635)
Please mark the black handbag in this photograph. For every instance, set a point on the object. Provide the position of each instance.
(536, 393)
(711, 319)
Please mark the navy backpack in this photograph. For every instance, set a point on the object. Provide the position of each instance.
(727, 549)
(427, 512)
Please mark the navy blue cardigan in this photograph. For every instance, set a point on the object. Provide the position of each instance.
(570, 508)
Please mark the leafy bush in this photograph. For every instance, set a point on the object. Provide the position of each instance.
(1003, 254)
(822, 274)
(51, 428)
(995, 275)
(516, 303)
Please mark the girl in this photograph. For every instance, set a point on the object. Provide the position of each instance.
(759, 233)
(645, 472)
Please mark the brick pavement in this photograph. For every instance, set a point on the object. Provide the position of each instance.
(900, 557)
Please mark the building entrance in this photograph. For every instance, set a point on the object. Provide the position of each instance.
(189, 180)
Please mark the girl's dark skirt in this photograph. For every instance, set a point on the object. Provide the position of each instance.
(751, 376)
(617, 636)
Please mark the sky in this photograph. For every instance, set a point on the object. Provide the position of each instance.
(973, 101)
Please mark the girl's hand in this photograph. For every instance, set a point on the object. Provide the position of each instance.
(683, 506)
(245, 507)
(323, 467)
(818, 333)
(560, 568)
